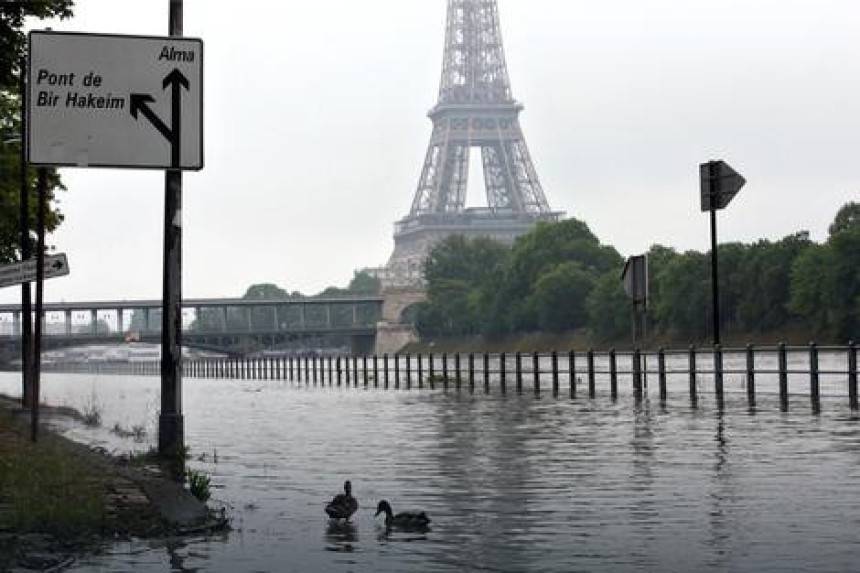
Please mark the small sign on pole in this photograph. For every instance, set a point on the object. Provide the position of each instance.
(719, 185)
(636, 285)
(635, 278)
(20, 273)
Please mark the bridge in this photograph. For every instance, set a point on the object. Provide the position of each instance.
(365, 323)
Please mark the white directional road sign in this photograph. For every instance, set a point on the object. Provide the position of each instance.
(55, 266)
(98, 100)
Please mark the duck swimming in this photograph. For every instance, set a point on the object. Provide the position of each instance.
(404, 520)
(343, 505)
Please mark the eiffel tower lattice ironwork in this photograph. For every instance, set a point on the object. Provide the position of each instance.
(476, 109)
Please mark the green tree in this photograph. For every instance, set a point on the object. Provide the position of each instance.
(809, 288)
(364, 283)
(684, 305)
(513, 307)
(559, 297)
(458, 272)
(843, 283)
(847, 218)
(609, 308)
(12, 47)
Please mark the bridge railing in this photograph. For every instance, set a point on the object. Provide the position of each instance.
(751, 374)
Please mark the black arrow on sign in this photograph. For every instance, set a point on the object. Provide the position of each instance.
(173, 134)
(58, 265)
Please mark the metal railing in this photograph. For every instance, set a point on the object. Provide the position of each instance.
(781, 371)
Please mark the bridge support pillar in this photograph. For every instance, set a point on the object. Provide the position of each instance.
(94, 321)
(120, 323)
(67, 323)
(392, 337)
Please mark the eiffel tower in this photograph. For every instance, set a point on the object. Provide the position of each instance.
(476, 109)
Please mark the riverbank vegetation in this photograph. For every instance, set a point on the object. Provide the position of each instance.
(59, 498)
(561, 279)
(12, 48)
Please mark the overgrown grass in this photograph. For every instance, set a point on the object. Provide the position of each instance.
(137, 432)
(46, 487)
(92, 414)
(199, 484)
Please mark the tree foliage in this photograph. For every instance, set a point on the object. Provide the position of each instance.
(560, 277)
(13, 16)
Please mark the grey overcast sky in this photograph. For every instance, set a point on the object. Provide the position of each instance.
(316, 130)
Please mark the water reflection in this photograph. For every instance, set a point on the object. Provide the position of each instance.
(511, 483)
(341, 536)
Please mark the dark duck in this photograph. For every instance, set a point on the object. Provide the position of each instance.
(407, 520)
(343, 505)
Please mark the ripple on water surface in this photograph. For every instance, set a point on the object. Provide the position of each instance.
(512, 483)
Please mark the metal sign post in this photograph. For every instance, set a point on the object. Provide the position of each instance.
(105, 100)
(171, 426)
(719, 185)
(42, 190)
(24, 214)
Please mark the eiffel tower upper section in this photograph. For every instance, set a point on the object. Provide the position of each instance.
(476, 109)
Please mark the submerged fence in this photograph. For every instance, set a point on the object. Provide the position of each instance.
(811, 371)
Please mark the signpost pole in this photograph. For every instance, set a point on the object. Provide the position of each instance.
(715, 285)
(42, 190)
(26, 301)
(170, 424)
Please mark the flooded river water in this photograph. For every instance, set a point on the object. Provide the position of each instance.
(512, 483)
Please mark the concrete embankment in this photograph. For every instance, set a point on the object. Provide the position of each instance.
(59, 499)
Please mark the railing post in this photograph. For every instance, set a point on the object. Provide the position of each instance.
(613, 374)
(471, 372)
(661, 375)
(375, 371)
(364, 368)
(408, 371)
(852, 376)
(718, 376)
(431, 372)
(420, 372)
(385, 369)
(536, 372)
(445, 370)
(486, 373)
(571, 373)
(814, 378)
(751, 375)
(592, 384)
(397, 372)
(555, 374)
(339, 372)
(519, 372)
(314, 364)
(355, 370)
(783, 377)
(694, 395)
(637, 374)
(330, 371)
(503, 368)
(457, 378)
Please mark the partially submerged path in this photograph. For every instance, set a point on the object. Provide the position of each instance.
(59, 498)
